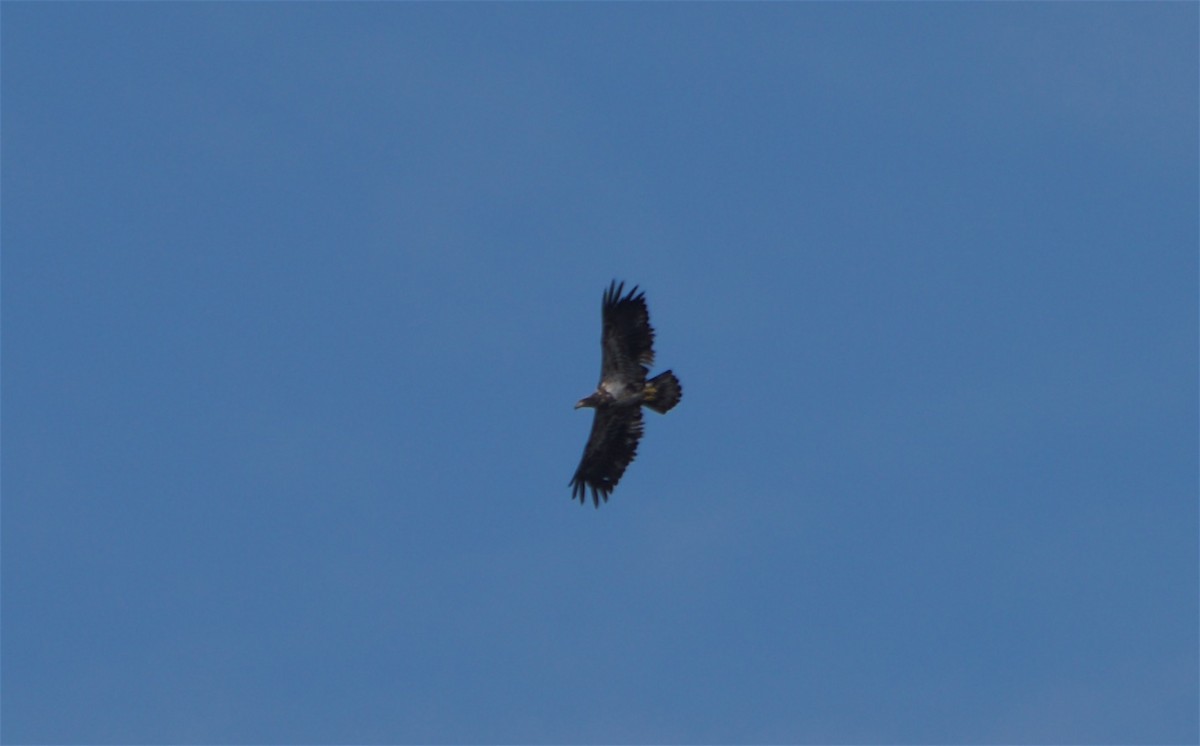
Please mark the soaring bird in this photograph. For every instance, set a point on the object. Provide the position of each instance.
(626, 351)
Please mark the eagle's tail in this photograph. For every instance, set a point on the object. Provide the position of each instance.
(662, 392)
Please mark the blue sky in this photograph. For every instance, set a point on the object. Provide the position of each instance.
(297, 299)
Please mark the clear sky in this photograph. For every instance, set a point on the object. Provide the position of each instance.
(298, 298)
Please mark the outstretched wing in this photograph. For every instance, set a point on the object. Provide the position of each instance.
(626, 338)
(610, 448)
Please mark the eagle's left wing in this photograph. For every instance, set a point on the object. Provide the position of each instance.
(610, 448)
(626, 337)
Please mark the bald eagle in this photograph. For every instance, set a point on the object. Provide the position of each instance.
(626, 349)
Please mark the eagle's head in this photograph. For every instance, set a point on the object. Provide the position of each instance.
(589, 401)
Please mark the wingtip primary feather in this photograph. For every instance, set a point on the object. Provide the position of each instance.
(616, 294)
(580, 488)
(613, 296)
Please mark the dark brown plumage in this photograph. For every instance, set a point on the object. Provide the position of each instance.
(626, 352)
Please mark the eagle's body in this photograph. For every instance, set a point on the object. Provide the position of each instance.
(627, 348)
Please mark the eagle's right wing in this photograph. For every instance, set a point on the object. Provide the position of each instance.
(610, 448)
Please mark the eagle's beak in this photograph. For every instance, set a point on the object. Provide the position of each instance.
(580, 404)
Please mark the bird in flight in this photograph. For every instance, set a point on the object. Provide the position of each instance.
(626, 351)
